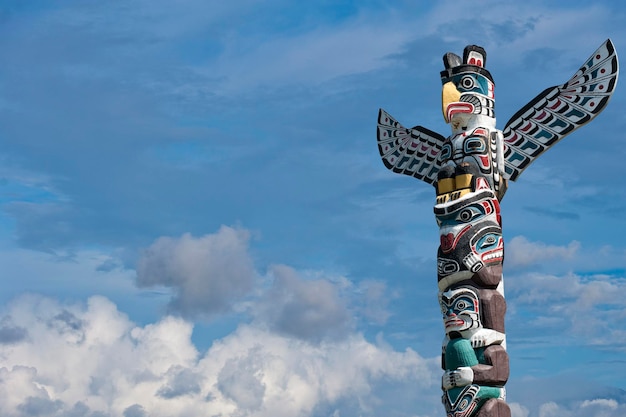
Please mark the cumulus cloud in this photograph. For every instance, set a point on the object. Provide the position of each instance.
(572, 305)
(180, 381)
(240, 380)
(296, 378)
(522, 252)
(307, 309)
(518, 410)
(374, 301)
(206, 274)
(212, 274)
(135, 410)
(120, 369)
(568, 394)
(600, 407)
(9, 333)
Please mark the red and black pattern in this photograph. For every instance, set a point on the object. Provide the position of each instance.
(412, 151)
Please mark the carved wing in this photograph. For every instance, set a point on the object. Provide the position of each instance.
(560, 110)
(412, 151)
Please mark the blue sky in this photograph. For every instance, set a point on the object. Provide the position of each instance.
(195, 220)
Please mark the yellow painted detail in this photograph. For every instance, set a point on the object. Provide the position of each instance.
(449, 94)
(445, 185)
(463, 181)
(442, 198)
(449, 189)
(454, 195)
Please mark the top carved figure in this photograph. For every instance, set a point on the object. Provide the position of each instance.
(468, 106)
(475, 147)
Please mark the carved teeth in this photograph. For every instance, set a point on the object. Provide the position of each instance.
(492, 255)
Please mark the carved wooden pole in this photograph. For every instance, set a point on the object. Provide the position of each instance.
(470, 170)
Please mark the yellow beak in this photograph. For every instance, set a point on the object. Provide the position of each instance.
(449, 94)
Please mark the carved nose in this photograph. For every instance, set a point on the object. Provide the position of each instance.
(447, 242)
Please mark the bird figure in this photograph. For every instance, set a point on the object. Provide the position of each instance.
(468, 106)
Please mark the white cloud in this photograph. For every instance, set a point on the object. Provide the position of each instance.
(9, 333)
(97, 362)
(294, 377)
(522, 252)
(180, 381)
(207, 273)
(212, 274)
(583, 307)
(600, 407)
(375, 299)
(91, 354)
(550, 409)
(518, 410)
(586, 292)
(600, 402)
(307, 309)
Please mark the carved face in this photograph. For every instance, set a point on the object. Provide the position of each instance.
(470, 234)
(460, 309)
(469, 147)
(471, 209)
(471, 152)
(465, 94)
(488, 245)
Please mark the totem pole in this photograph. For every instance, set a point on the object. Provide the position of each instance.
(470, 170)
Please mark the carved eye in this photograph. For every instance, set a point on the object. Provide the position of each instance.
(466, 215)
(474, 145)
(489, 240)
(467, 82)
(461, 305)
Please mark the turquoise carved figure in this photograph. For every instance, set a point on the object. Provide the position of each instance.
(471, 170)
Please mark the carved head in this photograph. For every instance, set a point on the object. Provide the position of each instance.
(470, 236)
(460, 309)
(468, 88)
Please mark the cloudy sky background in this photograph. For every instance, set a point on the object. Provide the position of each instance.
(195, 220)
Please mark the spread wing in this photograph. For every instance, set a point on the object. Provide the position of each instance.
(408, 151)
(560, 110)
